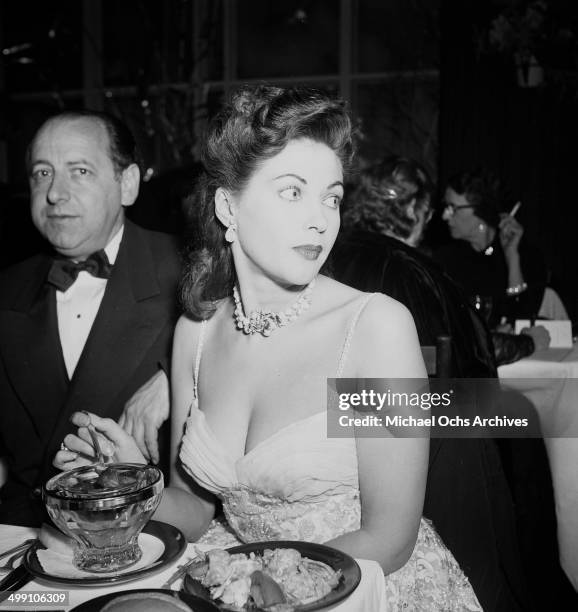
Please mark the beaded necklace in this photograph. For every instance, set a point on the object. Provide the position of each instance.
(265, 321)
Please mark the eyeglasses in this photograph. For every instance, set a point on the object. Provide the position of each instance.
(452, 208)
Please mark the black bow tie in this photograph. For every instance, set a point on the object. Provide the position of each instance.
(64, 272)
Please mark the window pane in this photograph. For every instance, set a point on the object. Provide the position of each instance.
(144, 56)
(287, 38)
(160, 46)
(398, 34)
(44, 45)
(400, 117)
(211, 43)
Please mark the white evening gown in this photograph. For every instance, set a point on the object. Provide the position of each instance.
(300, 484)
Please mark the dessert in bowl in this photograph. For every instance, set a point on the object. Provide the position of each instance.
(104, 507)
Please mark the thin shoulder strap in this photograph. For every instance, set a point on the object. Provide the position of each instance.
(347, 343)
(198, 358)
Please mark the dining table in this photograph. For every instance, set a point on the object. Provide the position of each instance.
(367, 597)
(549, 380)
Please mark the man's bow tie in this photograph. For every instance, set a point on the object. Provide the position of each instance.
(64, 272)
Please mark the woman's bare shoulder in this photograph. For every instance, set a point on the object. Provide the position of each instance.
(188, 330)
(386, 322)
(385, 341)
(382, 306)
(378, 305)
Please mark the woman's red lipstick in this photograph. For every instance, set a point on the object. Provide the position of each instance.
(309, 251)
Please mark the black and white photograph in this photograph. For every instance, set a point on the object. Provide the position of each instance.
(289, 305)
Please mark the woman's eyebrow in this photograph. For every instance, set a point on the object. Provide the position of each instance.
(336, 184)
(299, 178)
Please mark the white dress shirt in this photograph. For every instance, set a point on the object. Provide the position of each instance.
(77, 307)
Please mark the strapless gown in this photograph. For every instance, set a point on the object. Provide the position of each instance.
(299, 484)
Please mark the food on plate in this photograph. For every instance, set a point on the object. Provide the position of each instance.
(265, 591)
(229, 576)
(278, 579)
(146, 602)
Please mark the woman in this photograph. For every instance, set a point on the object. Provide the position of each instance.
(490, 260)
(259, 319)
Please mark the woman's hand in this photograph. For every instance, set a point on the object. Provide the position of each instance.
(539, 334)
(504, 328)
(114, 442)
(511, 233)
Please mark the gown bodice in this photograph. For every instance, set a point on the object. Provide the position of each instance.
(271, 492)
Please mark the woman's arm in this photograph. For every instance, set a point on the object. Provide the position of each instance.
(185, 504)
(527, 273)
(511, 233)
(392, 470)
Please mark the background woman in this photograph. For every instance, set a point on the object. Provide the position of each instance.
(261, 333)
(489, 259)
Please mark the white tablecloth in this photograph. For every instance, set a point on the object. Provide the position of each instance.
(549, 379)
(368, 597)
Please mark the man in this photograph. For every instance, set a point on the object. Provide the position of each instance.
(89, 325)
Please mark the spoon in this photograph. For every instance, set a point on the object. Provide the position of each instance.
(100, 456)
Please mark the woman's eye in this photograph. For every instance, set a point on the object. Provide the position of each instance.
(332, 201)
(290, 193)
(80, 171)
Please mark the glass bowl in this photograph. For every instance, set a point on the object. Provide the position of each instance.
(104, 507)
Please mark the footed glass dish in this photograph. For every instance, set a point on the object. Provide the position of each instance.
(104, 507)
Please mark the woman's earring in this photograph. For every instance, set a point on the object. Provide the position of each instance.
(230, 235)
(482, 227)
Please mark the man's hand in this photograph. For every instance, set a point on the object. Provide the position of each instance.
(145, 412)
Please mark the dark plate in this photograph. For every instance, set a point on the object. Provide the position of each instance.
(195, 603)
(337, 560)
(171, 537)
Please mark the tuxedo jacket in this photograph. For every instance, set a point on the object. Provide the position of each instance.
(129, 341)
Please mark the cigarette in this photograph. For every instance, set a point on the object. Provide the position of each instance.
(515, 209)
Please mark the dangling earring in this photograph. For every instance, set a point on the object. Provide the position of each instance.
(230, 236)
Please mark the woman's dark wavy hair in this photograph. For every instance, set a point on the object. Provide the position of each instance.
(254, 126)
(381, 200)
(483, 190)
